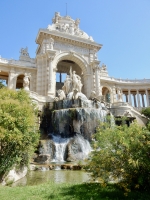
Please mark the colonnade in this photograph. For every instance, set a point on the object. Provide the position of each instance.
(137, 98)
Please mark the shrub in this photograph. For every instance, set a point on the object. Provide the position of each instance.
(146, 112)
(18, 129)
(121, 154)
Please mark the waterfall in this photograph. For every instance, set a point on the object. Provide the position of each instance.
(85, 146)
(72, 124)
(60, 147)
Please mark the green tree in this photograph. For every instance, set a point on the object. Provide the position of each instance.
(146, 112)
(18, 129)
(1, 84)
(121, 154)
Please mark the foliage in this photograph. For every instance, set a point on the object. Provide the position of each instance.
(146, 112)
(1, 84)
(66, 191)
(18, 129)
(121, 154)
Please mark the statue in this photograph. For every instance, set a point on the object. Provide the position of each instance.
(94, 54)
(61, 94)
(71, 29)
(119, 95)
(51, 43)
(57, 16)
(93, 97)
(80, 85)
(24, 51)
(77, 22)
(104, 67)
(63, 28)
(26, 82)
(67, 84)
(73, 81)
(76, 80)
(75, 94)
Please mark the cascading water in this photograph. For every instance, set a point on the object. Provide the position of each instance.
(71, 123)
(60, 148)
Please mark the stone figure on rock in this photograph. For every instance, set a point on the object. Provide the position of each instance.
(76, 80)
(94, 97)
(61, 94)
(26, 82)
(75, 94)
(72, 82)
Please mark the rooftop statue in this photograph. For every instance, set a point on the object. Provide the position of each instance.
(67, 25)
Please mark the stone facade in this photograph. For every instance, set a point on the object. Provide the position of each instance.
(61, 45)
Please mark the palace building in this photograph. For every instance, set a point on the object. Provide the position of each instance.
(63, 45)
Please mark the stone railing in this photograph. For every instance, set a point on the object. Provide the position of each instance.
(125, 80)
(3, 60)
(18, 62)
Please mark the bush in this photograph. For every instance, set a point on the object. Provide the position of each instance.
(18, 129)
(121, 154)
(146, 112)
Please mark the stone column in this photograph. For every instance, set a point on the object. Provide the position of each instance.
(143, 102)
(126, 97)
(11, 79)
(135, 105)
(129, 97)
(138, 99)
(147, 98)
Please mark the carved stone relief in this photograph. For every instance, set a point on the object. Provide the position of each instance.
(69, 47)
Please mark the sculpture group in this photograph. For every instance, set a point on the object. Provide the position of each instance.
(73, 81)
(72, 84)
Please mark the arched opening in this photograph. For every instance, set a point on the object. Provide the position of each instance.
(4, 78)
(106, 94)
(19, 82)
(63, 69)
(80, 65)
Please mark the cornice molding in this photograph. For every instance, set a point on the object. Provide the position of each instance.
(75, 40)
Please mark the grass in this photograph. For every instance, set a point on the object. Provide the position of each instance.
(63, 191)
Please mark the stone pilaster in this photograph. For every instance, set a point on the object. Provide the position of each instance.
(12, 79)
(51, 75)
(95, 65)
(114, 94)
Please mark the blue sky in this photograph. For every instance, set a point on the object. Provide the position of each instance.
(122, 26)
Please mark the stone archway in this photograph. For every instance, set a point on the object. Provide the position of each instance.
(19, 81)
(83, 68)
(4, 76)
(106, 93)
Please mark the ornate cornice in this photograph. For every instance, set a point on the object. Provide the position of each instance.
(44, 33)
